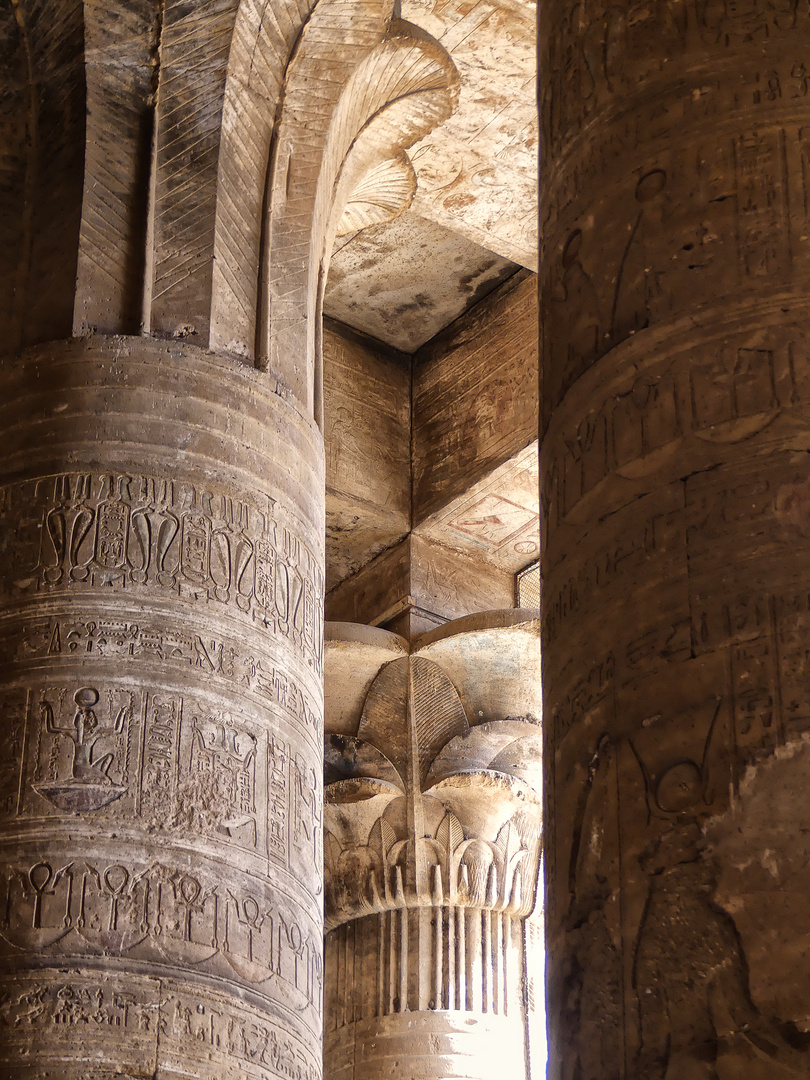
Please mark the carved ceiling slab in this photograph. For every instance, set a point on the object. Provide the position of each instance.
(498, 518)
(477, 172)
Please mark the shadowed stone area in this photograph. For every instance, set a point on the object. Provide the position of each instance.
(674, 308)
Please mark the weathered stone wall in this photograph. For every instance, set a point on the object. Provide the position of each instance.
(475, 395)
(161, 663)
(367, 432)
(675, 316)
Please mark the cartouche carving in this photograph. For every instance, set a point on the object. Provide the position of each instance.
(85, 531)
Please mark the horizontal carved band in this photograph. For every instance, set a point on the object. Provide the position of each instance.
(167, 917)
(169, 764)
(102, 636)
(129, 1016)
(76, 532)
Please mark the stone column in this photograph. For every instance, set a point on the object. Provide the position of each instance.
(176, 171)
(161, 589)
(432, 834)
(676, 621)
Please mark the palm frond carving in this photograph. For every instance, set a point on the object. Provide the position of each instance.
(424, 809)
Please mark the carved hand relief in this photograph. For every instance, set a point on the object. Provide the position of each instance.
(78, 532)
(405, 826)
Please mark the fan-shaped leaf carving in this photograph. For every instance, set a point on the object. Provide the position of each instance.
(381, 194)
(412, 699)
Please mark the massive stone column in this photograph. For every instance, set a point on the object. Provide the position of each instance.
(172, 179)
(161, 585)
(675, 312)
(432, 837)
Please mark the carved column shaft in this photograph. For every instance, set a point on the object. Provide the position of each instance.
(407, 983)
(160, 640)
(178, 169)
(676, 313)
(431, 854)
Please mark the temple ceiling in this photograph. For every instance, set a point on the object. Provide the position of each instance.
(473, 221)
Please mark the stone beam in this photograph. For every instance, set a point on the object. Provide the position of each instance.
(418, 585)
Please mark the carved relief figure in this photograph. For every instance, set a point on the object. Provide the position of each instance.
(89, 785)
(575, 331)
(637, 277)
(307, 817)
(592, 971)
(690, 973)
(219, 792)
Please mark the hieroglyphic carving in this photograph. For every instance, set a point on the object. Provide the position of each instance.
(766, 637)
(165, 915)
(107, 638)
(737, 232)
(115, 531)
(762, 183)
(12, 742)
(160, 757)
(609, 941)
(598, 51)
(203, 1020)
(164, 760)
(723, 393)
(238, 1035)
(81, 750)
(588, 690)
(306, 811)
(618, 558)
(278, 799)
(87, 760)
(67, 1004)
(217, 791)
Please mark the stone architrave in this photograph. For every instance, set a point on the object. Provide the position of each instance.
(675, 312)
(431, 850)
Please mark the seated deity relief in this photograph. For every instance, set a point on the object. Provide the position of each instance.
(87, 784)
